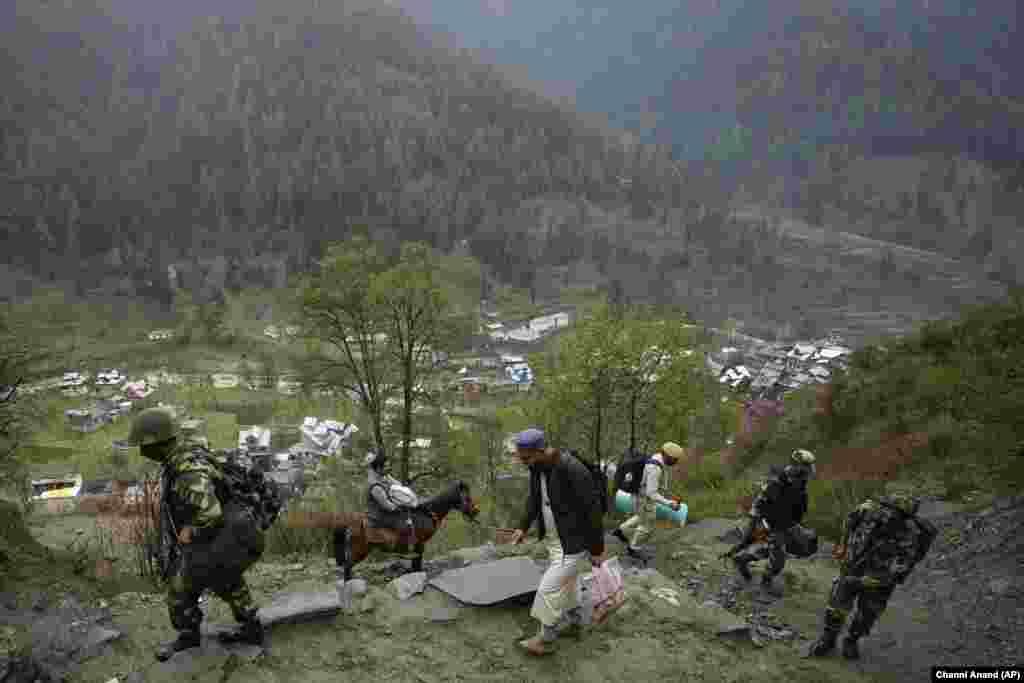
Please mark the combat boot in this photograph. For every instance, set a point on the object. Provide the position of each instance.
(825, 643)
(741, 567)
(850, 649)
(249, 632)
(769, 585)
(186, 640)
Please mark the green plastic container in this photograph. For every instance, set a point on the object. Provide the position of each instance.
(624, 503)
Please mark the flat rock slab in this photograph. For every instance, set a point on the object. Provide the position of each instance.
(492, 582)
(289, 609)
(443, 615)
(409, 585)
(735, 632)
(296, 607)
(95, 638)
(211, 655)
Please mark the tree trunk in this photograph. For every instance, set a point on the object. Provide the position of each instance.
(407, 417)
(632, 422)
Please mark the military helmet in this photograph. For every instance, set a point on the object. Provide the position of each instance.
(906, 502)
(154, 425)
(802, 457)
(903, 497)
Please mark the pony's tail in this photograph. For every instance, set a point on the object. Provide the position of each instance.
(320, 520)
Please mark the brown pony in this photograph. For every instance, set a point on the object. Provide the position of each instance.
(354, 538)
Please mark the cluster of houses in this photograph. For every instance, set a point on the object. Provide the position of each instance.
(286, 468)
(527, 332)
(771, 370)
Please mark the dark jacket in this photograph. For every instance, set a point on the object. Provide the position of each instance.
(574, 505)
(782, 503)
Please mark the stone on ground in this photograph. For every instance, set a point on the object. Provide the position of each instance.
(409, 585)
(492, 582)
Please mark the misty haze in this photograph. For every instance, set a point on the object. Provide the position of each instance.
(329, 240)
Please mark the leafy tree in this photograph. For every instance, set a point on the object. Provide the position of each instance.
(21, 362)
(614, 383)
(344, 326)
(376, 326)
(412, 305)
(210, 317)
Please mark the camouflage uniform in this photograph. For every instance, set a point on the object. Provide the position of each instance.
(225, 535)
(883, 543)
(201, 565)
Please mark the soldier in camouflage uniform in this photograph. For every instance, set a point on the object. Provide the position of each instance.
(202, 559)
(781, 504)
(884, 540)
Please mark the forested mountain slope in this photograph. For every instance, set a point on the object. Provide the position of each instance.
(233, 148)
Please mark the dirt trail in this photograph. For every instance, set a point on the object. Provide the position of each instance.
(963, 605)
(688, 617)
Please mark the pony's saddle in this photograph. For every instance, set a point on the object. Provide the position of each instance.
(398, 534)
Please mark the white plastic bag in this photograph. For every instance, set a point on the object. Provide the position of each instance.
(403, 495)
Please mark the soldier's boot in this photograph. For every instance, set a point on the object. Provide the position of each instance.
(249, 632)
(742, 567)
(771, 586)
(850, 649)
(186, 640)
(826, 642)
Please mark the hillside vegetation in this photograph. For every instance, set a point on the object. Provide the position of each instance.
(235, 151)
(955, 386)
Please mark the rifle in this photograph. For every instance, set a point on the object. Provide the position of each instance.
(172, 545)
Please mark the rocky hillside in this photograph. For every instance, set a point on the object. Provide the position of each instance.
(686, 615)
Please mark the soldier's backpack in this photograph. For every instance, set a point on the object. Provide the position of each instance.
(782, 503)
(630, 472)
(927, 529)
(248, 487)
(599, 478)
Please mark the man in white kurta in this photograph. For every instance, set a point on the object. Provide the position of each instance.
(555, 605)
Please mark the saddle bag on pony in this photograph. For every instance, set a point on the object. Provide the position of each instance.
(630, 473)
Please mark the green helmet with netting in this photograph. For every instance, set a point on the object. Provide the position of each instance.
(802, 457)
(903, 497)
(153, 425)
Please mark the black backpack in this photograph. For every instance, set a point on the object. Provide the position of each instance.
(599, 478)
(249, 487)
(630, 472)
